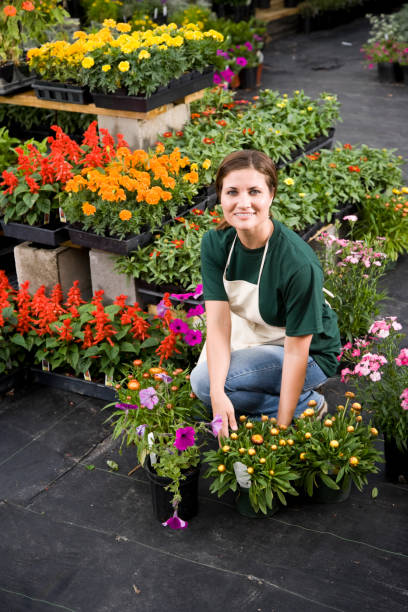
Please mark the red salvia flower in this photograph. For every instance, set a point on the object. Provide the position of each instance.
(23, 300)
(88, 337)
(32, 184)
(10, 180)
(74, 295)
(65, 331)
(103, 326)
(167, 347)
(91, 137)
(57, 299)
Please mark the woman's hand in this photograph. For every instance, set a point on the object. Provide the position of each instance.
(222, 406)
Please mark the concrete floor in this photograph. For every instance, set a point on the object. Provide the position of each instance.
(86, 541)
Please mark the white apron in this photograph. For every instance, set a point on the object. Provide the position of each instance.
(248, 329)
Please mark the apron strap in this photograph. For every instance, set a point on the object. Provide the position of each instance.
(262, 262)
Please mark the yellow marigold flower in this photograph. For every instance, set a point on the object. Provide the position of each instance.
(301, 194)
(88, 62)
(206, 164)
(194, 166)
(297, 91)
(106, 67)
(88, 209)
(125, 214)
(396, 191)
(288, 181)
(124, 66)
(404, 190)
(123, 27)
(109, 23)
(143, 54)
(310, 108)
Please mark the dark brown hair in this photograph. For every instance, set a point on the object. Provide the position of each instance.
(240, 160)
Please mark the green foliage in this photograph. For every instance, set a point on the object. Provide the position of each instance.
(174, 256)
(7, 154)
(70, 123)
(385, 214)
(311, 8)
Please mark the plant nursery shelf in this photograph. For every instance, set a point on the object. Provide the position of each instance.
(29, 99)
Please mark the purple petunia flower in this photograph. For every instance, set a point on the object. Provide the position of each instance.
(182, 296)
(192, 337)
(248, 46)
(196, 311)
(174, 522)
(257, 37)
(184, 438)
(140, 429)
(217, 80)
(179, 326)
(148, 397)
(241, 61)
(216, 425)
(123, 406)
(165, 377)
(227, 74)
(198, 291)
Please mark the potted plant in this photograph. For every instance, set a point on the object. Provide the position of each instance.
(20, 22)
(143, 69)
(157, 412)
(352, 269)
(335, 451)
(255, 462)
(385, 54)
(126, 196)
(379, 370)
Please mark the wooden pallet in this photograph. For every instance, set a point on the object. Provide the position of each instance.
(276, 11)
(29, 98)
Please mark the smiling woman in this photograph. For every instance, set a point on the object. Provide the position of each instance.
(271, 337)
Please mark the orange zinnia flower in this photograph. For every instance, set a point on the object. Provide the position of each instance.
(9, 10)
(88, 209)
(125, 214)
(195, 115)
(347, 146)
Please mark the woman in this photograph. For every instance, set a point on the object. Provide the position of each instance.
(271, 337)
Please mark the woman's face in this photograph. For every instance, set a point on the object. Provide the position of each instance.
(246, 199)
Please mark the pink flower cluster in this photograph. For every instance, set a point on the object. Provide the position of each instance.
(402, 359)
(370, 365)
(352, 251)
(404, 397)
(381, 328)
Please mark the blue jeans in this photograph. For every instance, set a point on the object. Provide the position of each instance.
(254, 379)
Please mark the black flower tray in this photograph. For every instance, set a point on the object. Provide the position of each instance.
(71, 383)
(12, 80)
(61, 92)
(79, 236)
(175, 90)
(52, 234)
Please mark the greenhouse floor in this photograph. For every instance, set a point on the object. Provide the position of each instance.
(86, 540)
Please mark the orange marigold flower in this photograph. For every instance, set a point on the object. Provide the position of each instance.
(88, 209)
(221, 122)
(195, 115)
(28, 6)
(9, 10)
(333, 165)
(160, 147)
(191, 177)
(125, 214)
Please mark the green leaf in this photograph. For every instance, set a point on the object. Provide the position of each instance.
(329, 482)
(90, 467)
(374, 492)
(113, 465)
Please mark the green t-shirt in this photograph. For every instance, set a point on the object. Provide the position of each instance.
(291, 286)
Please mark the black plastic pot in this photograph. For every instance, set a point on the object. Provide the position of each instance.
(61, 92)
(153, 294)
(396, 462)
(310, 231)
(70, 383)
(244, 507)
(404, 72)
(236, 13)
(13, 80)
(52, 234)
(325, 495)
(389, 72)
(175, 90)
(161, 499)
(291, 3)
(248, 78)
(105, 243)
